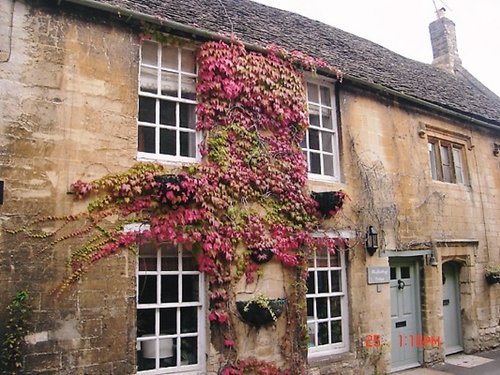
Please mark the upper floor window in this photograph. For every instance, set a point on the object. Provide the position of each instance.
(170, 312)
(447, 161)
(327, 304)
(320, 145)
(167, 103)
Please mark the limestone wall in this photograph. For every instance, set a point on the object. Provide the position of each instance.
(68, 104)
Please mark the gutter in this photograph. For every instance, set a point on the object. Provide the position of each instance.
(123, 12)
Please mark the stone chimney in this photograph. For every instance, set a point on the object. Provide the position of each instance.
(444, 43)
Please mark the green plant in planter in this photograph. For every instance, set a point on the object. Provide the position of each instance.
(492, 273)
(261, 310)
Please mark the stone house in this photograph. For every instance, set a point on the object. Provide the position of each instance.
(415, 146)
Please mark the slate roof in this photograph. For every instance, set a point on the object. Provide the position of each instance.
(357, 57)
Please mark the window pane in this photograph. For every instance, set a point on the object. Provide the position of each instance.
(168, 321)
(393, 273)
(189, 263)
(322, 259)
(314, 115)
(328, 165)
(445, 162)
(322, 281)
(325, 96)
(146, 139)
(457, 161)
(336, 327)
(167, 142)
(149, 53)
(145, 322)
(322, 307)
(335, 309)
(323, 334)
(334, 260)
(188, 144)
(312, 93)
(327, 141)
(169, 262)
(405, 272)
(336, 281)
(147, 263)
(166, 354)
(169, 84)
(310, 283)
(147, 109)
(167, 112)
(326, 115)
(188, 87)
(147, 289)
(190, 288)
(310, 307)
(433, 160)
(315, 163)
(313, 139)
(145, 356)
(189, 350)
(188, 61)
(149, 81)
(169, 57)
(189, 319)
(169, 288)
(187, 115)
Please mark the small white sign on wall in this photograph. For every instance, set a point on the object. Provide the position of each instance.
(379, 275)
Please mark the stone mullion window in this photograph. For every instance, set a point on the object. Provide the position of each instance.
(446, 160)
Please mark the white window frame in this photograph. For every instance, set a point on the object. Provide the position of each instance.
(456, 156)
(329, 84)
(157, 156)
(338, 347)
(200, 366)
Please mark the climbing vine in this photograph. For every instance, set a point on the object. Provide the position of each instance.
(249, 189)
(18, 312)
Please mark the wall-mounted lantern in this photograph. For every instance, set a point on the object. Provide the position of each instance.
(431, 260)
(371, 243)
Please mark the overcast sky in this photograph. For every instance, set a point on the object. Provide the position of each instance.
(402, 26)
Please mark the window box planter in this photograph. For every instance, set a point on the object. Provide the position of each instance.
(261, 256)
(329, 202)
(493, 279)
(261, 311)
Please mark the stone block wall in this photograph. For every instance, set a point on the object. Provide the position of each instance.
(68, 104)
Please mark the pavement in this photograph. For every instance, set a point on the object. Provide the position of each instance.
(484, 363)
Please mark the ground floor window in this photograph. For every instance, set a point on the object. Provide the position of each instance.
(327, 304)
(170, 311)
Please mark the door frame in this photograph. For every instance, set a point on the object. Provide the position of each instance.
(415, 262)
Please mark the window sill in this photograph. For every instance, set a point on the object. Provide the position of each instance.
(321, 178)
(141, 157)
(327, 358)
